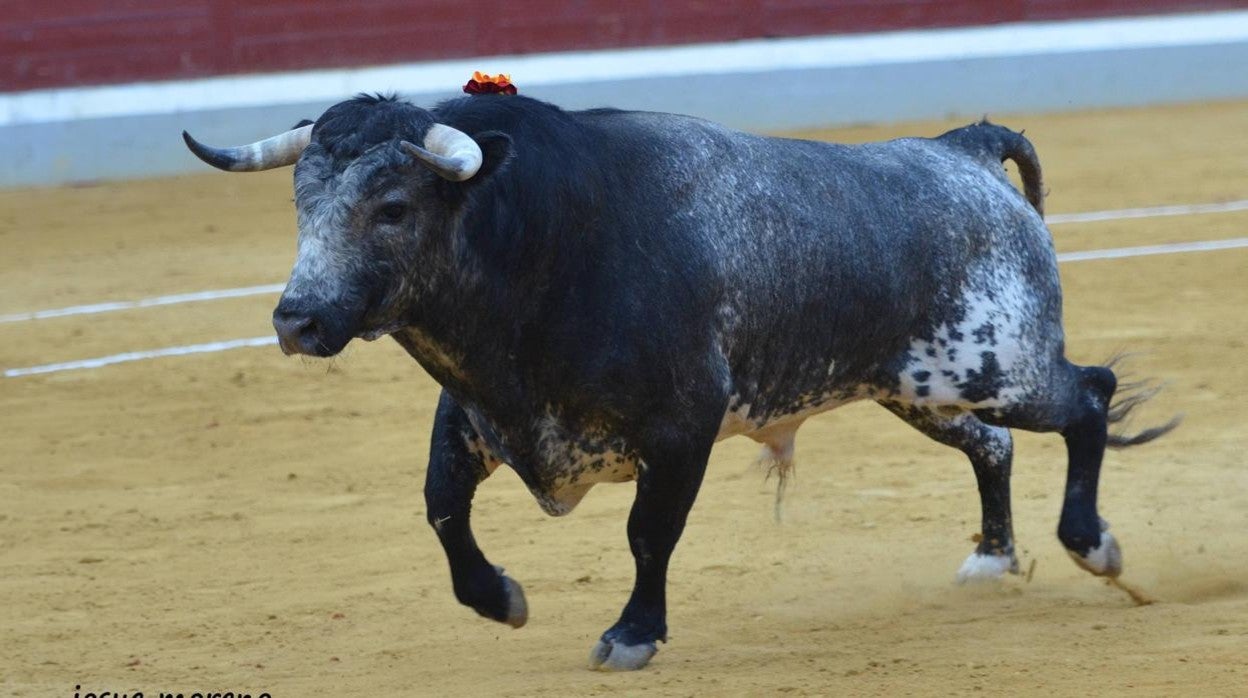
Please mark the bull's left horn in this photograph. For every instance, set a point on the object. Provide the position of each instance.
(277, 151)
(449, 152)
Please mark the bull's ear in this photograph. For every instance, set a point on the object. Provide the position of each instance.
(496, 150)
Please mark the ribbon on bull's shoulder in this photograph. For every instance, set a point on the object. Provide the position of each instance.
(486, 84)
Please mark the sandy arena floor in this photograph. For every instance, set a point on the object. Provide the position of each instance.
(240, 521)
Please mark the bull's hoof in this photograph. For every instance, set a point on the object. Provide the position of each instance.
(612, 655)
(517, 613)
(493, 595)
(517, 607)
(986, 568)
(1104, 560)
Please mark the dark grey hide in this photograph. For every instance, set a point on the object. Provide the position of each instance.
(615, 291)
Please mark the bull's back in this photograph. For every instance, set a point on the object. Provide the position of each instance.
(839, 262)
(827, 264)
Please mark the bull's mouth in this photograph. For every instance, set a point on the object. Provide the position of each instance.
(325, 344)
(319, 346)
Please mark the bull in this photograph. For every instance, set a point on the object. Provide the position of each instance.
(604, 294)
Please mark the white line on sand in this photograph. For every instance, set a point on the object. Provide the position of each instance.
(1146, 250)
(140, 355)
(1149, 212)
(199, 296)
(1115, 253)
(144, 302)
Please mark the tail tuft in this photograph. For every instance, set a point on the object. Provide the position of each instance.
(1130, 395)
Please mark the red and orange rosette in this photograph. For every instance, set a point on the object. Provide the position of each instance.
(485, 84)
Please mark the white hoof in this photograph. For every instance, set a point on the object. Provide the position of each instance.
(613, 656)
(1105, 560)
(985, 568)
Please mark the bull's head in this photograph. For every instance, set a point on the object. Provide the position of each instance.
(375, 212)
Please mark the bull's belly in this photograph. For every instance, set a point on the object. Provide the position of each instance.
(572, 463)
(992, 356)
(745, 419)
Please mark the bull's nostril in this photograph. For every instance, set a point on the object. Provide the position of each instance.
(294, 330)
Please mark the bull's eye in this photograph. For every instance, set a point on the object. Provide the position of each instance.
(391, 213)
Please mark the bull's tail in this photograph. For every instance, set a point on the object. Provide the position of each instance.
(999, 144)
(1128, 396)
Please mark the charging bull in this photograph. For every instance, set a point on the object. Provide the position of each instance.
(604, 294)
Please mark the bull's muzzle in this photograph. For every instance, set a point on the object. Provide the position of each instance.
(306, 328)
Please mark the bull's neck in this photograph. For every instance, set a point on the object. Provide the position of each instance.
(468, 331)
(491, 293)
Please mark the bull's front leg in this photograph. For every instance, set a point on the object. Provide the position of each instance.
(667, 484)
(458, 461)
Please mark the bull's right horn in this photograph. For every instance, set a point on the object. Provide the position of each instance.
(277, 151)
(449, 152)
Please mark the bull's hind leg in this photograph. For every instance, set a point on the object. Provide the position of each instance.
(1081, 529)
(991, 451)
(1076, 404)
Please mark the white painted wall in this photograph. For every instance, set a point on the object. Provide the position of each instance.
(63, 135)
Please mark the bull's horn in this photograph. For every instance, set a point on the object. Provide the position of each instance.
(277, 151)
(449, 152)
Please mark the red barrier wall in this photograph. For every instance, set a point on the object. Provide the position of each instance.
(51, 43)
